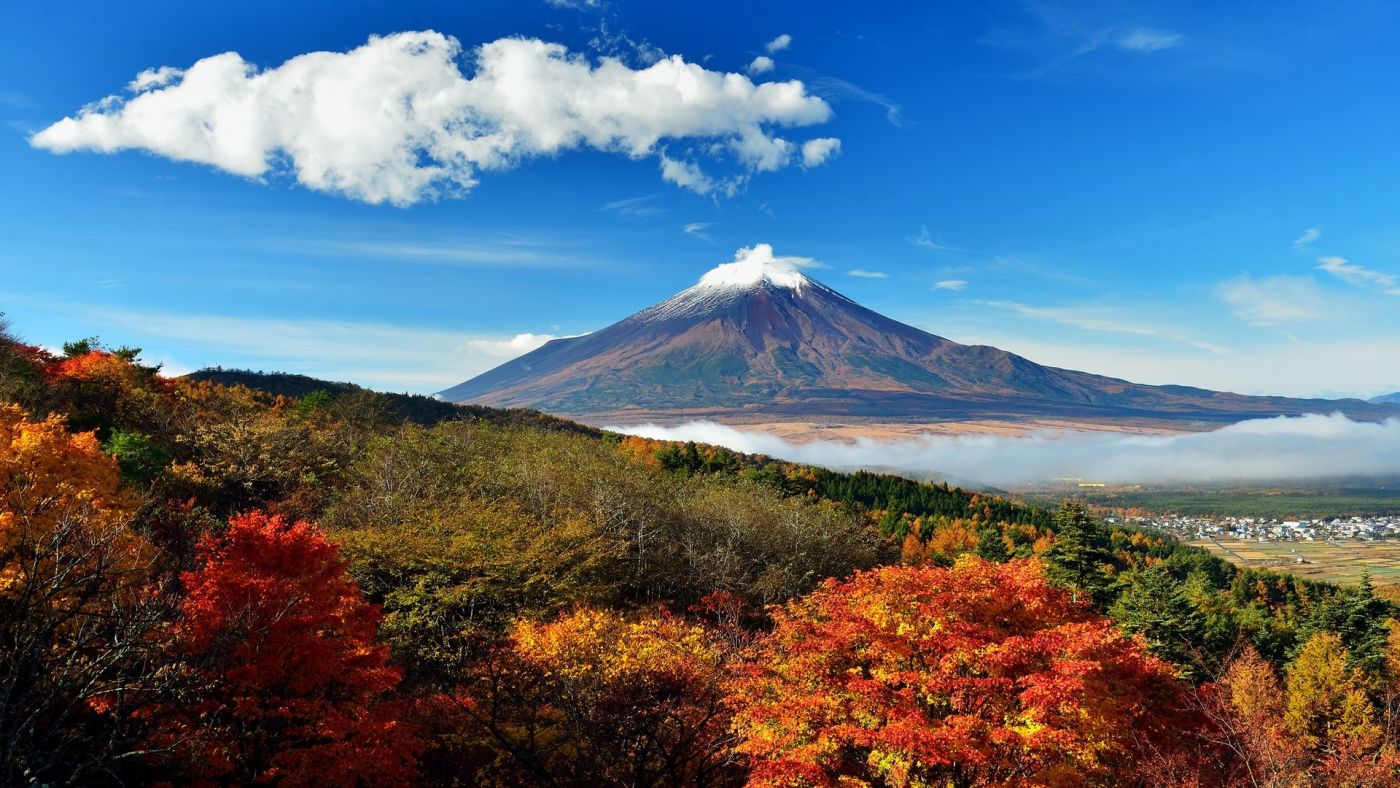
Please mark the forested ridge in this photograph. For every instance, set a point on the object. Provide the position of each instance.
(237, 578)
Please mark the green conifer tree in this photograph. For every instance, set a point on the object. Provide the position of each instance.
(1077, 558)
(1154, 604)
(991, 546)
(1358, 617)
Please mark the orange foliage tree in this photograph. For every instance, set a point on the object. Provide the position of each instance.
(973, 675)
(1244, 710)
(1318, 726)
(99, 389)
(74, 608)
(600, 698)
(288, 683)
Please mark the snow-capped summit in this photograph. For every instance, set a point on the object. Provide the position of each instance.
(755, 265)
(754, 268)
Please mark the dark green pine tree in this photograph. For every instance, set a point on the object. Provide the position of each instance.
(691, 459)
(1154, 604)
(1358, 617)
(1077, 558)
(991, 546)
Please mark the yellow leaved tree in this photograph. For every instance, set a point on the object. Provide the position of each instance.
(75, 607)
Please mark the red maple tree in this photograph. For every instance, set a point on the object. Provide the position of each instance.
(289, 685)
(974, 675)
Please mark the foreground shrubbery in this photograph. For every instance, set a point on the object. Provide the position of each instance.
(208, 583)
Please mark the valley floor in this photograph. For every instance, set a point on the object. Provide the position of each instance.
(1335, 561)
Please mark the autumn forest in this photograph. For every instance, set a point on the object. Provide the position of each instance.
(232, 578)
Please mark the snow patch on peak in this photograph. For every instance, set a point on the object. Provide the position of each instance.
(753, 269)
(755, 265)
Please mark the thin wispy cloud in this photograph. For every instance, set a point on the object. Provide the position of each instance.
(469, 252)
(955, 285)
(635, 207)
(1102, 321)
(410, 126)
(1273, 300)
(1360, 276)
(924, 240)
(378, 355)
(1064, 35)
(697, 229)
(836, 89)
(1277, 449)
(1309, 235)
(861, 273)
(1146, 39)
(1308, 368)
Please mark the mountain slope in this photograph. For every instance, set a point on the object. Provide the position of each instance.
(1386, 399)
(760, 339)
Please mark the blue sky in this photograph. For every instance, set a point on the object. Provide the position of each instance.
(1168, 192)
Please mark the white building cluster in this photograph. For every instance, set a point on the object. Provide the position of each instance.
(1187, 527)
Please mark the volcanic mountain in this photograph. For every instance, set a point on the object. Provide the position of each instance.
(758, 340)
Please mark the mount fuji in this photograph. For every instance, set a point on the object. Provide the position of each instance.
(757, 339)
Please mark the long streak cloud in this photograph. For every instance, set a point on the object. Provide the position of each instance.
(1276, 449)
(396, 120)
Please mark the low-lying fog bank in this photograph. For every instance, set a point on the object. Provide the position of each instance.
(1276, 449)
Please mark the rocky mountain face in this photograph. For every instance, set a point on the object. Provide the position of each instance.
(762, 340)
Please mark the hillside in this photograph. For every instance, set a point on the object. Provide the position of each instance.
(321, 588)
(417, 408)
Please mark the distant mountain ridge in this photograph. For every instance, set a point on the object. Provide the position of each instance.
(417, 408)
(759, 339)
(1386, 399)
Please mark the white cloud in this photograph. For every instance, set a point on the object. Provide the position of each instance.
(154, 78)
(1360, 276)
(1273, 300)
(761, 65)
(397, 121)
(760, 152)
(687, 175)
(950, 284)
(816, 152)
(1309, 235)
(864, 274)
(575, 5)
(504, 349)
(1145, 39)
(1306, 447)
(779, 44)
(698, 229)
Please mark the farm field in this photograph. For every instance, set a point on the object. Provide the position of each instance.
(1281, 502)
(1337, 561)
